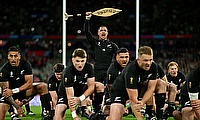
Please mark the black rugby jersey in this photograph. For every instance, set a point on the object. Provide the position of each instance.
(15, 75)
(180, 78)
(61, 90)
(72, 77)
(113, 71)
(133, 76)
(103, 51)
(53, 83)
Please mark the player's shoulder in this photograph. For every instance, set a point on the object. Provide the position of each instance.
(89, 65)
(51, 76)
(24, 62)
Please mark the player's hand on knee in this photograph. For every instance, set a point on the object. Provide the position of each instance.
(195, 104)
(74, 101)
(138, 106)
(19, 102)
(20, 111)
(7, 93)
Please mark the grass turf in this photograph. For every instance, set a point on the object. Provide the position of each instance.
(37, 111)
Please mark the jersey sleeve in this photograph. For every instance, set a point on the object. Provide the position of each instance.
(3, 74)
(161, 73)
(90, 70)
(51, 84)
(111, 74)
(89, 36)
(182, 78)
(193, 81)
(67, 78)
(130, 77)
(28, 68)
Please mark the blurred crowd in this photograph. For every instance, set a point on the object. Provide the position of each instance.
(45, 17)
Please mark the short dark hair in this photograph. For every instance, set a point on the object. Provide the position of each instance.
(13, 48)
(79, 52)
(122, 50)
(58, 67)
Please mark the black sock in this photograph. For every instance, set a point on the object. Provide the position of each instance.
(45, 101)
(97, 101)
(170, 107)
(11, 109)
(27, 108)
(160, 102)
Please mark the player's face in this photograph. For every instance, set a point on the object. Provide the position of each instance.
(14, 58)
(173, 70)
(58, 75)
(103, 33)
(79, 63)
(145, 61)
(123, 59)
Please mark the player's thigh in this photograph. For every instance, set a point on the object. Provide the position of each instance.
(60, 111)
(116, 111)
(3, 109)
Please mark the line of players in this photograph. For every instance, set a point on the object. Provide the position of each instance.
(138, 83)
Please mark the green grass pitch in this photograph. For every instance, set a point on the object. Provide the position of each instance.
(37, 111)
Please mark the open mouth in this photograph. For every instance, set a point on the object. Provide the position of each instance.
(80, 67)
(123, 63)
(103, 34)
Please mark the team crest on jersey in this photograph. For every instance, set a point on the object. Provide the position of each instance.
(17, 78)
(75, 78)
(86, 75)
(131, 80)
(179, 80)
(149, 75)
(22, 72)
(1, 74)
(109, 46)
(49, 85)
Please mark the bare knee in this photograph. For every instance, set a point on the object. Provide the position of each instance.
(99, 87)
(161, 86)
(42, 88)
